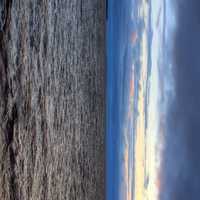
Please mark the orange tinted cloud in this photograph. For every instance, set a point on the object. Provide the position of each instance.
(134, 38)
(132, 88)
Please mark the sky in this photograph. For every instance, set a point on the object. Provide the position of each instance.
(153, 100)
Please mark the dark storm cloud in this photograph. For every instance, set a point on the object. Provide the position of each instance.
(181, 158)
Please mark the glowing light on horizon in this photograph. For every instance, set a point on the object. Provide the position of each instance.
(140, 125)
(147, 156)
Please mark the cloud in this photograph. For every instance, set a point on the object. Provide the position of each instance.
(181, 157)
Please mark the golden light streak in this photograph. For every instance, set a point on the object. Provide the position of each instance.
(140, 127)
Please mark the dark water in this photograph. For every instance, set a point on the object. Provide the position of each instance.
(52, 109)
